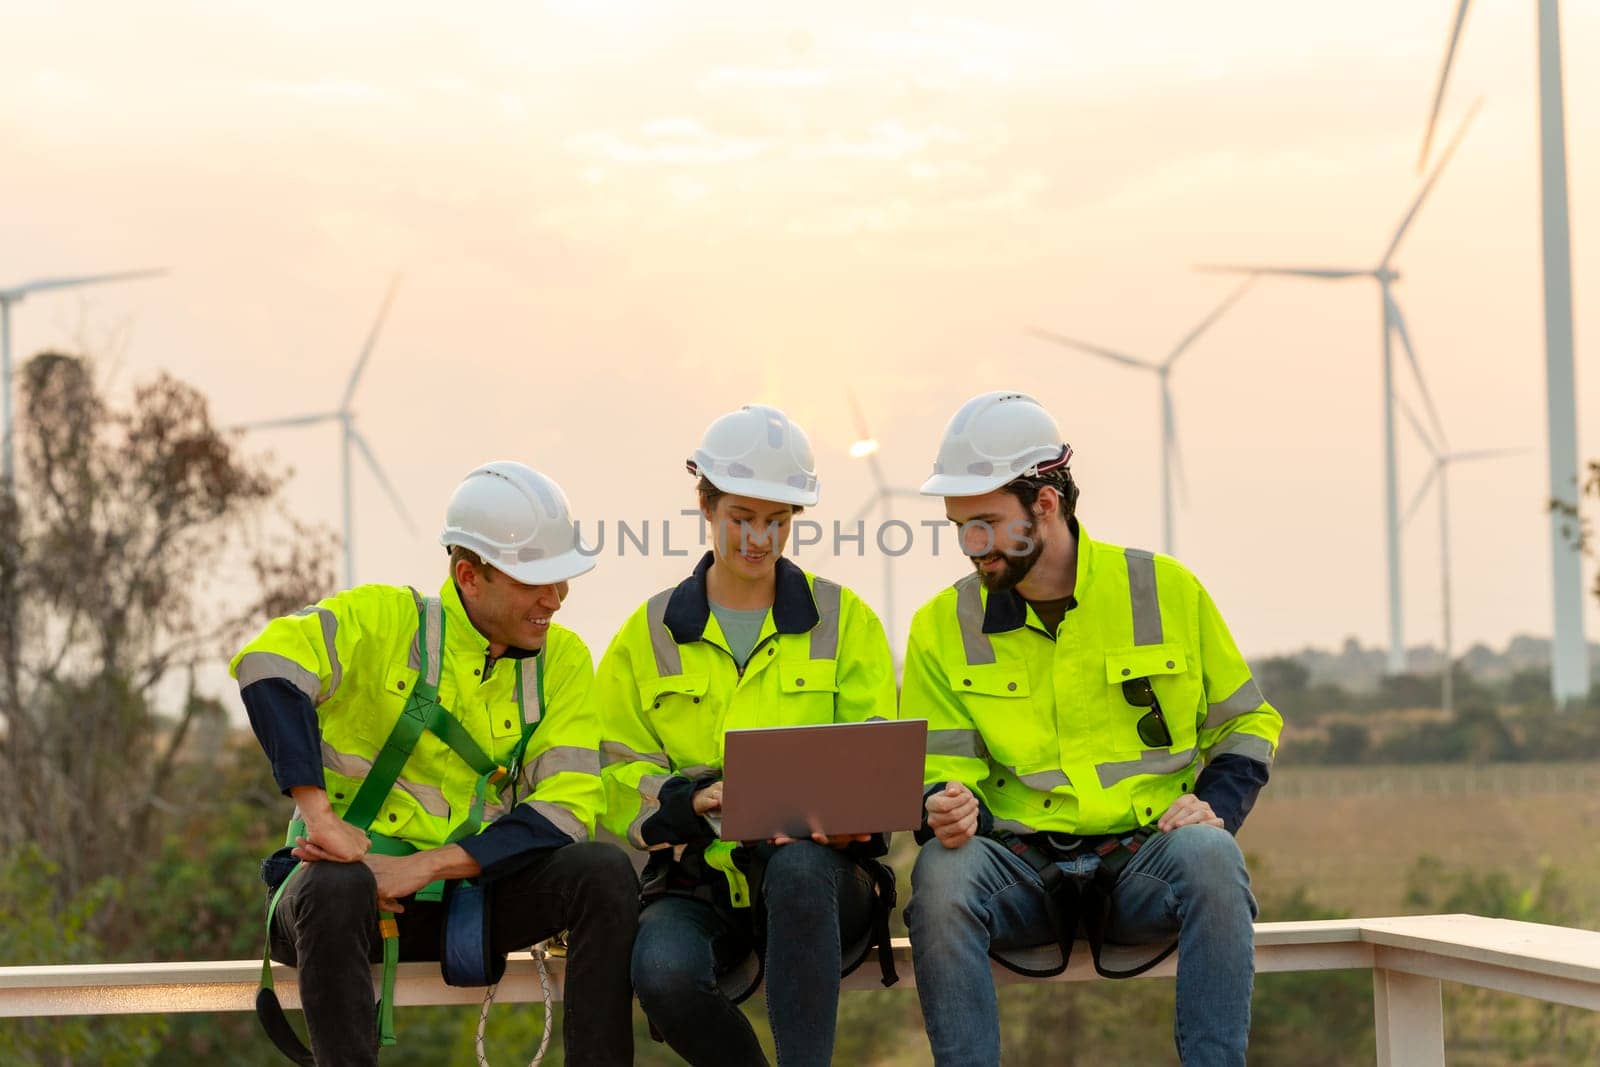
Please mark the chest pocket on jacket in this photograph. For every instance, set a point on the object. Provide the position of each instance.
(809, 687)
(675, 692)
(1166, 666)
(376, 718)
(997, 697)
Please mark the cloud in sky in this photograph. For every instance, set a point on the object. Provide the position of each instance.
(766, 78)
(321, 89)
(677, 141)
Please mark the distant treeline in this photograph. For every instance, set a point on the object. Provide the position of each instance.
(1510, 720)
(1358, 669)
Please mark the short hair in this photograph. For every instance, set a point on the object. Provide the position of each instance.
(461, 554)
(1026, 490)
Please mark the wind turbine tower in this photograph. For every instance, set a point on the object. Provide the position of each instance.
(351, 440)
(1171, 460)
(1569, 655)
(866, 447)
(1438, 479)
(1394, 324)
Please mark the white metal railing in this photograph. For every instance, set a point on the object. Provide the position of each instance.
(1410, 958)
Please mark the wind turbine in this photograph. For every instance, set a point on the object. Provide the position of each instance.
(1171, 459)
(14, 295)
(866, 447)
(1569, 667)
(1393, 324)
(351, 438)
(1439, 475)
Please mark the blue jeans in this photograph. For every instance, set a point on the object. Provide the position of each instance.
(1191, 882)
(816, 900)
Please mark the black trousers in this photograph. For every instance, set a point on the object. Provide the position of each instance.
(326, 925)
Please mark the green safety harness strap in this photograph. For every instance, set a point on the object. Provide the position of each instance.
(422, 712)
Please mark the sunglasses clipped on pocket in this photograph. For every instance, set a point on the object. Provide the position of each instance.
(1152, 725)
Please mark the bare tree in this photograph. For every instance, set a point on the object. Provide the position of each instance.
(133, 550)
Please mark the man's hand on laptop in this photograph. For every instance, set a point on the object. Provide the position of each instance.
(708, 801)
(831, 840)
(953, 814)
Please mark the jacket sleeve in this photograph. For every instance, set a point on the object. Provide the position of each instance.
(1238, 723)
(956, 752)
(561, 767)
(645, 802)
(289, 670)
(308, 649)
(285, 724)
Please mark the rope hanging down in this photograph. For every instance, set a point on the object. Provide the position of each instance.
(539, 956)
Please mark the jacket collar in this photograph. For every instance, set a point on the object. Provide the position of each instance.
(793, 609)
(460, 633)
(1005, 610)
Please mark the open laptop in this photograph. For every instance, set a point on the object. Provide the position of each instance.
(836, 778)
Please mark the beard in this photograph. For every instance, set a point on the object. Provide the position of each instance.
(1015, 566)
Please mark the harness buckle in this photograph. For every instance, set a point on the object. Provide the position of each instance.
(1065, 844)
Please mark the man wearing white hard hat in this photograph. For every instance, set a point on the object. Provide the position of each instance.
(442, 756)
(1094, 741)
(748, 640)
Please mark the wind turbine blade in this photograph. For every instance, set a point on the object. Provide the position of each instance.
(1094, 350)
(41, 284)
(1207, 322)
(1175, 454)
(1427, 186)
(873, 463)
(383, 479)
(1442, 84)
(1321, 273)
(862, 433)
(1422, 491)
(1399, 322)
(1416, 424)
(1485, 453)
(372, 339)
(866, 509)
(289, 420)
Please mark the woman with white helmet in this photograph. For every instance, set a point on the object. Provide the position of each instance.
(748, 640)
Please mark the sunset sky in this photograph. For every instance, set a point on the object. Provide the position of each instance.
(618, 220)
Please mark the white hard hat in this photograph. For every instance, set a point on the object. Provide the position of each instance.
(756, 451)
(994, 439)
(518, 522)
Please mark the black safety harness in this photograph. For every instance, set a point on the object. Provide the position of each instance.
(1072, 901)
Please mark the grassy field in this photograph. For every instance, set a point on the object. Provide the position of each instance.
(1350, 835)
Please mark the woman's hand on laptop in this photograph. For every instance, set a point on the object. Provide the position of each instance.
(832, 841)
(708, 801)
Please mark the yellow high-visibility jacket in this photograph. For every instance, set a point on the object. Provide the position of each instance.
(355, 656)
(668, 687)
(1038, 725)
